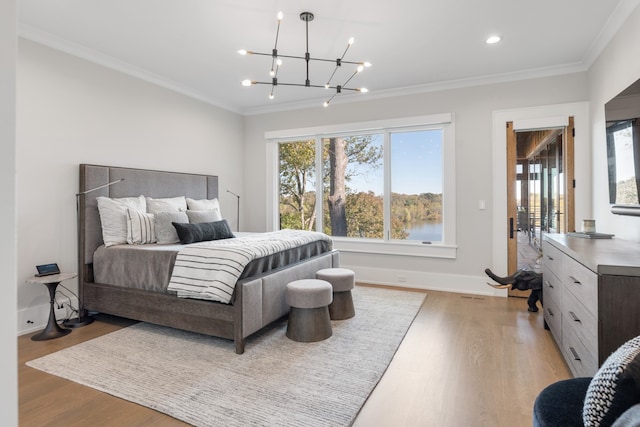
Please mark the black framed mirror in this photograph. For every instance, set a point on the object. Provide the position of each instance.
(622, 115)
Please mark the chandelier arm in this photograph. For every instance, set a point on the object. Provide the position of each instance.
(302, 57)
(349, 79)
(332, 74)
(345, 52)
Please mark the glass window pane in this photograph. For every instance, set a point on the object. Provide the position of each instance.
(416, 185)
(353, 186)
(297, 195)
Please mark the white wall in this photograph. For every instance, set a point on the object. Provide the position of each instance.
(616, 68)
(473, 108)
(71, 111)
(9, 357)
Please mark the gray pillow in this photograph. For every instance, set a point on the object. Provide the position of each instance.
(196, 217)
(168, 204)
(165, 231)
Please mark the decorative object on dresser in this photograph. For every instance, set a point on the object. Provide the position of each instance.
(591, 295)
(132, 280)
(280, 382)
(51, 281)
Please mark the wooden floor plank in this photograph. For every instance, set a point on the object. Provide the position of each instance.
(466, 361)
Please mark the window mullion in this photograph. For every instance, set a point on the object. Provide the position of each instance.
(319, 185)
(386, 197)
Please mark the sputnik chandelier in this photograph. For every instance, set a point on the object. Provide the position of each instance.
(276, 63)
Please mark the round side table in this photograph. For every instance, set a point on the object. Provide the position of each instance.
(53, 330)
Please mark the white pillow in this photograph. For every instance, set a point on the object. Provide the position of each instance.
(197, 217)
(140, 228)
(165, 231)
(204, 205)
(170, 204)
(113, 216)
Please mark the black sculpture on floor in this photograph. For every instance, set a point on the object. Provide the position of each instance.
(521, 280)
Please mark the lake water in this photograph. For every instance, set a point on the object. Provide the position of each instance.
(430, 231)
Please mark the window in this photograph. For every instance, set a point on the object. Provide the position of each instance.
(379, 186)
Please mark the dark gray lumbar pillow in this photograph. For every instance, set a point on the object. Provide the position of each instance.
(205, 231)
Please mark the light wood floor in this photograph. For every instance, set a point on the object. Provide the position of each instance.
(466, 361)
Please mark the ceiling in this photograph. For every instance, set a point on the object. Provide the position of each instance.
(414, 45)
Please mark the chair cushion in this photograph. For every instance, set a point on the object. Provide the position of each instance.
(561, 403)
(615, 387)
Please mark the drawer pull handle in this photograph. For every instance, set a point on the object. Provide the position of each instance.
(550, 312)
(575, 318)
(548, 284)
(574, 280)
(549, 258)
(575, 354)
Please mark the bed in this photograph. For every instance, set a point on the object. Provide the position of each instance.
(258, 297)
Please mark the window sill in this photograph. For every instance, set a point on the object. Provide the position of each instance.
(400, 248)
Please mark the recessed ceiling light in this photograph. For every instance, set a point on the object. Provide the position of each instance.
(493, 39)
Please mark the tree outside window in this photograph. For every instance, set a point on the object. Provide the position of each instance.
(353, 180)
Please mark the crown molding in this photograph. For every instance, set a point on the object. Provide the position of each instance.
(615, 21)
(76, 49)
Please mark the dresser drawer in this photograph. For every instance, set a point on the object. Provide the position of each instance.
(552, 258)
(551, 287)
(580, 361)
(582, 323)
(553, 317)
(581, 282)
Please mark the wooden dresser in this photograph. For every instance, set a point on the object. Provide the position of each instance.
(591, 291)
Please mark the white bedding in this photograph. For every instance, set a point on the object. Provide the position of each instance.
(210, 270)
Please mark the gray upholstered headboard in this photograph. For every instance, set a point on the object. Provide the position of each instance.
(156, 184)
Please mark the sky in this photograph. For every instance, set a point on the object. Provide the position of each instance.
(416, 164)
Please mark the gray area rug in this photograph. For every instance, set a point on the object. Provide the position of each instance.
(276, 382)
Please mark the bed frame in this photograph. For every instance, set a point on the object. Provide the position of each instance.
(258, 300)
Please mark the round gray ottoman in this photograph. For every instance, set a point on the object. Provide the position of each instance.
(309, 319)
(342, 280)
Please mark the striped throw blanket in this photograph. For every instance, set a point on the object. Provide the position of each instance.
(210, 270)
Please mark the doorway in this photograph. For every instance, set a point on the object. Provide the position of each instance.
(539, 191)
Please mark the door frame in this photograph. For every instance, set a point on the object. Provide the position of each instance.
(536, 118)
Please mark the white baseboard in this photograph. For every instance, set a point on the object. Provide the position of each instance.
(475, 285)
(33, 319)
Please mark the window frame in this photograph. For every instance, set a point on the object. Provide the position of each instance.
(445, 249)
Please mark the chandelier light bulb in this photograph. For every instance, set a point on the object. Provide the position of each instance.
(272, 73)
(367, 64)
(278, 62)
(360, 68)
(493, 39)
(243, 52)
(364, 90)
(327, 85)
(246, 83)
(351, 40)
(326, 104)
(280, 16)
(271, 96)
